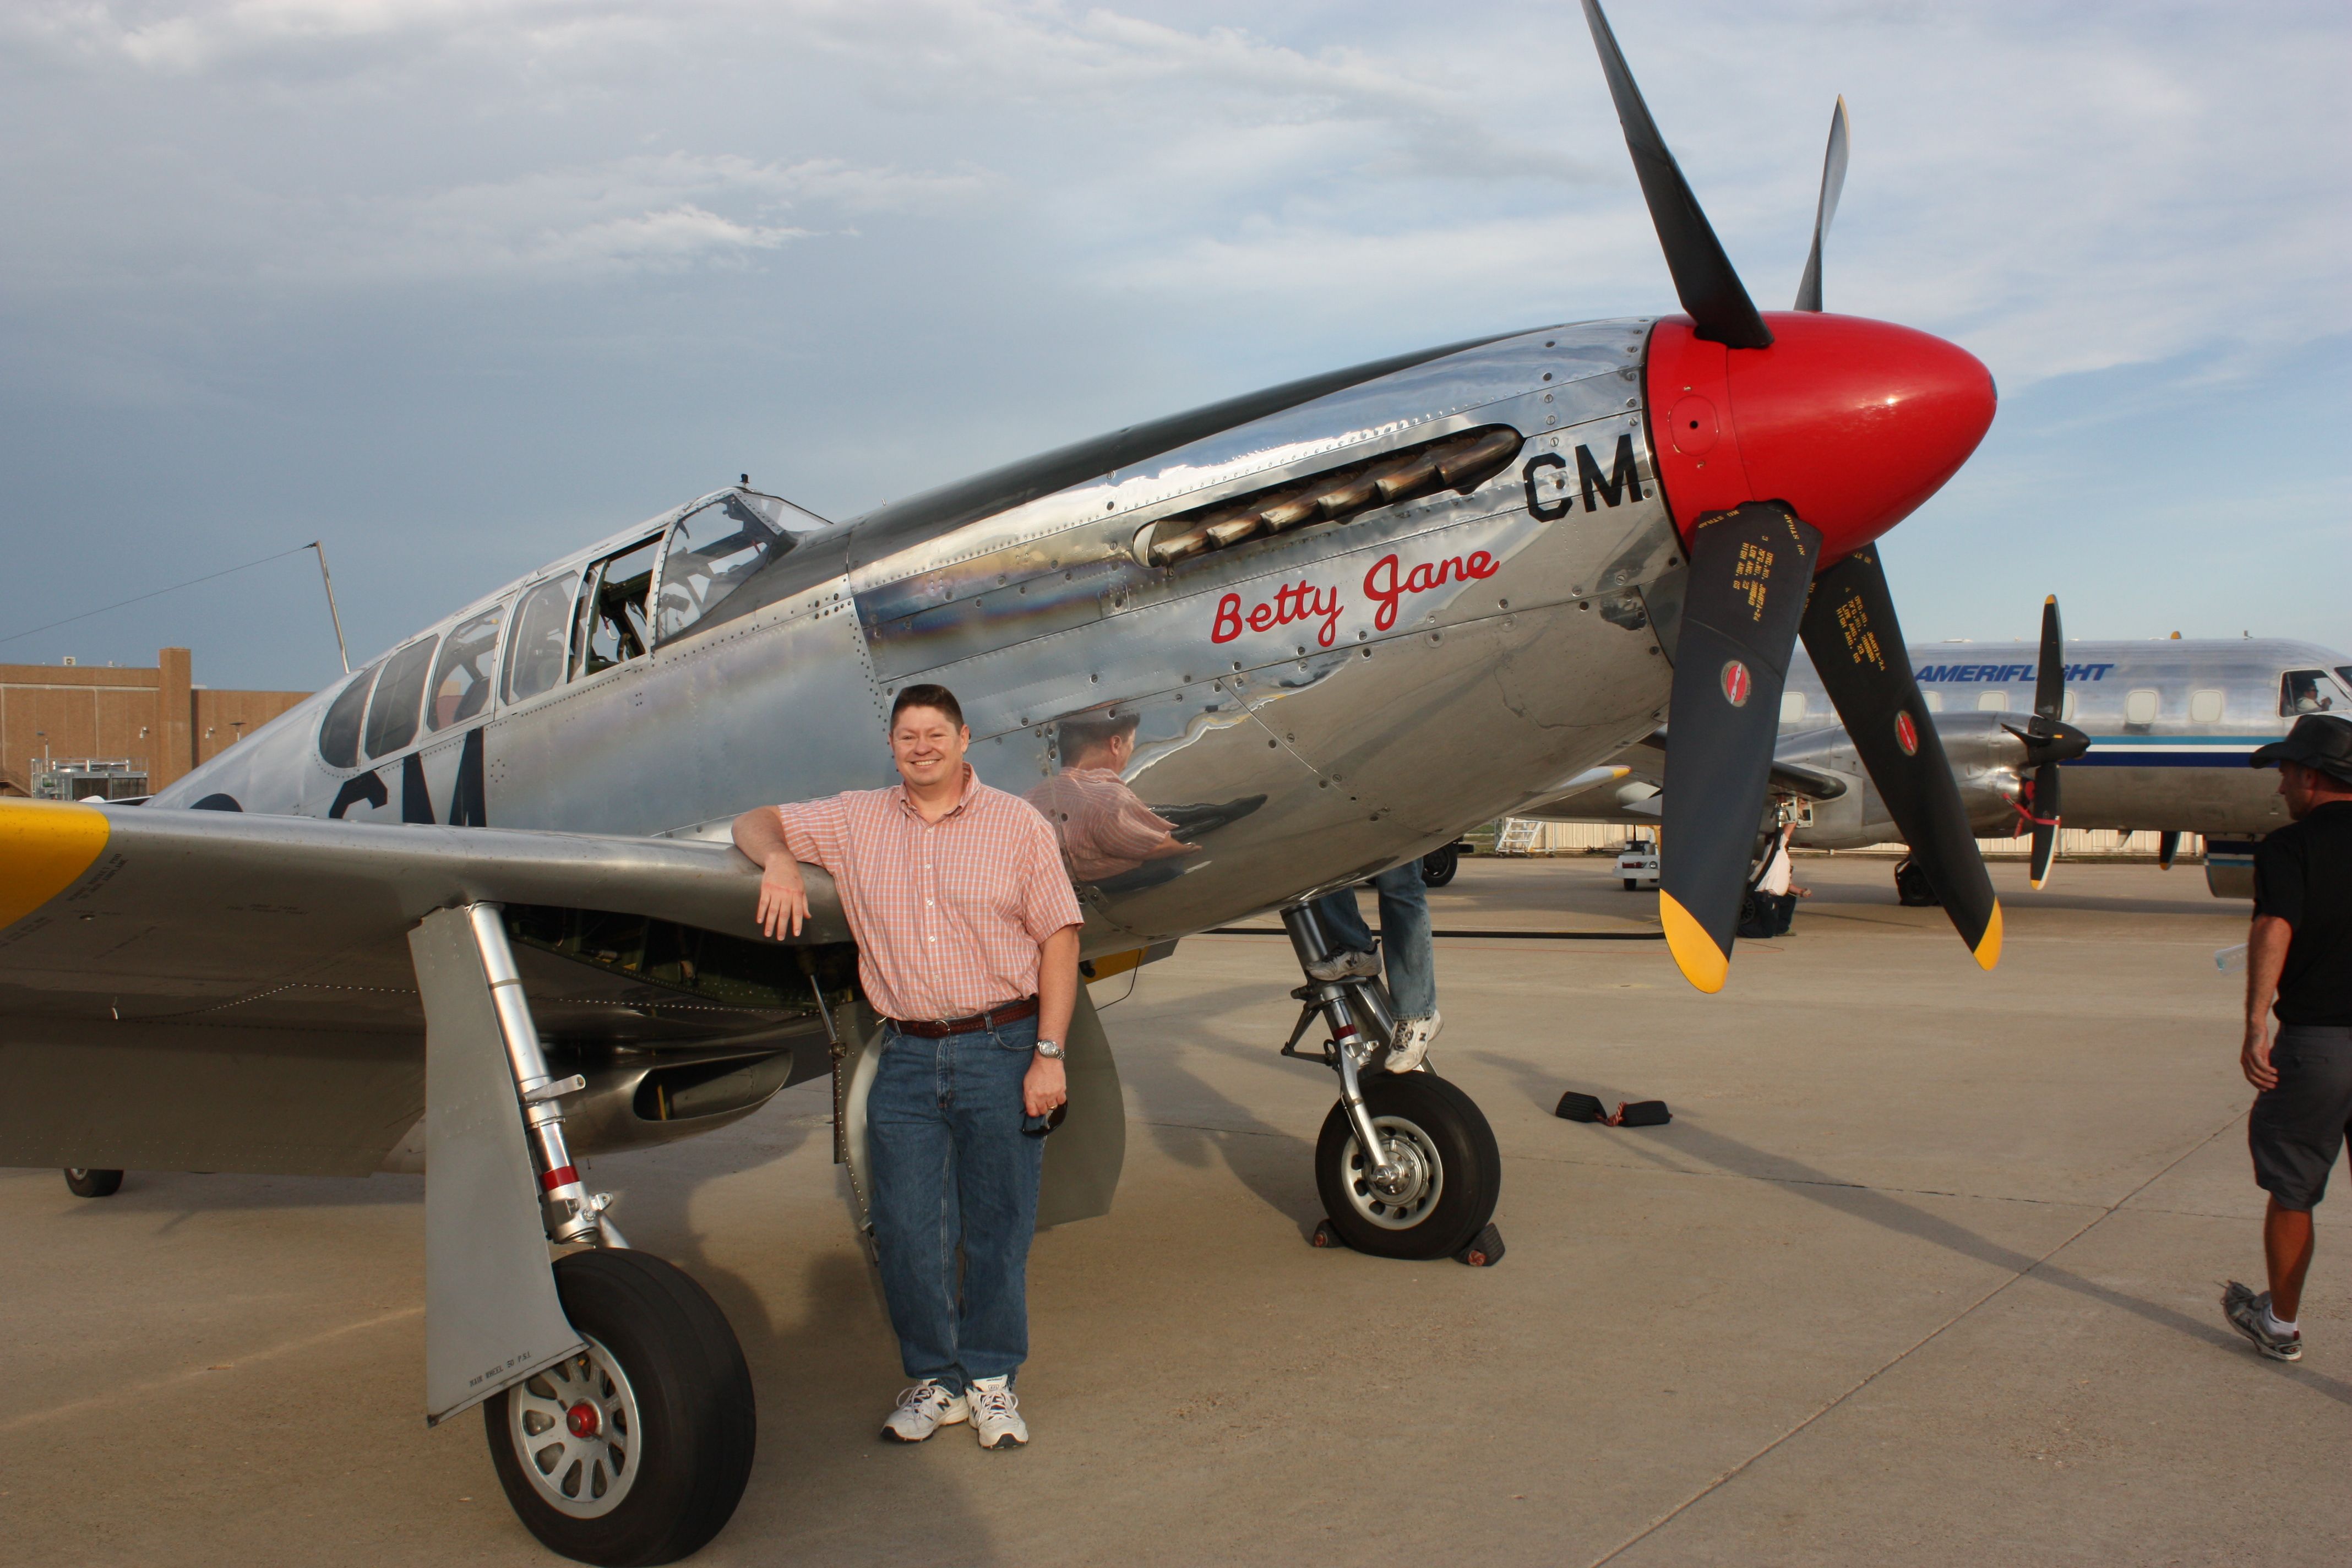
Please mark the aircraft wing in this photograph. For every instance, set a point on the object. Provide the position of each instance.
(218, 990)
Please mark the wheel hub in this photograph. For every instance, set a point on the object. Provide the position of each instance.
(1401, 1197)
(575, 1428)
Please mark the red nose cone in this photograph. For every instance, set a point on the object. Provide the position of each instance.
(1852, 422)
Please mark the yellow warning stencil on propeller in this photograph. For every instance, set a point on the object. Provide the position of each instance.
(1703, 964)
(45, 846)
(1987, 948)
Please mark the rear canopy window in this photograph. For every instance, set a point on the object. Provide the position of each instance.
(339, 736)
(461, 676)
(399, 697)
(542, 636)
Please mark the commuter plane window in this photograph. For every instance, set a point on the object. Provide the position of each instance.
(1935, 700)
(2142, 704)
(1992, 702)
(2205, 706)
(2066, 708)
(612, 612)
(399, 695)
(2306, 691)
(711, 554)
(461, 678)
(1792, 708)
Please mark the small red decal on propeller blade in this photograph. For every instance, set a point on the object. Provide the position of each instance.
(1735, 683)
(1907, 735)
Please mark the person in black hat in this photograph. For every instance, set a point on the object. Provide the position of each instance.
(2299, 966)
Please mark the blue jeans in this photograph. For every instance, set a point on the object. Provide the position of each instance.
(1404, 933)
(955, 1199)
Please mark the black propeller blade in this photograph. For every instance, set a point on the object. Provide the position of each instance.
(1809, 288)
(1856, 645)
(1748, 569)
(1704, 279)
(2049, 741)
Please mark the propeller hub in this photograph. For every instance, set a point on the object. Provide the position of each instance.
(1852, 423)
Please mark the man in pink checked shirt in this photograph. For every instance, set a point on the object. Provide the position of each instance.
(968, 945)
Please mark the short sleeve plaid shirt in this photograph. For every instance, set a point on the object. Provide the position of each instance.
(948, 914)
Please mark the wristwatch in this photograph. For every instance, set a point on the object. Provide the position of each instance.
(1050, 1049)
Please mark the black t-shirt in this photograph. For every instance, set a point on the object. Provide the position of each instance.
(2302, 874)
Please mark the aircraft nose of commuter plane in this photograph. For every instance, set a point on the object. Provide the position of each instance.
(1850, 423)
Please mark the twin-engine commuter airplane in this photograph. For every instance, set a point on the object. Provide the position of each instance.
(470, 911)
(2151, 736)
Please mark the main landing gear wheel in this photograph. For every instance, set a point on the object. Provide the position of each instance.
(86, 1182)
(1449, 1171)
(635, 1450)
(1438, 866)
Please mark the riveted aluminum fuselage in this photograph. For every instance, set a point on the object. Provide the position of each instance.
(1304, 707)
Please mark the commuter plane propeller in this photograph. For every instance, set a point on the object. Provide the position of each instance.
(471, 910)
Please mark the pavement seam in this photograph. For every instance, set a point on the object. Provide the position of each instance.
(1931, 1336)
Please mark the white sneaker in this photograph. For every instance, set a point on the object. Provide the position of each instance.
(1346, 964)
(996, 1413)
(1411, 1047)
(923, 1410)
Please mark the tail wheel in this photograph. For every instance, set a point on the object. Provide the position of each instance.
(1438, 866)
(1912, 888)
(634, 1450)
(1449, 1173)
(86, 1182)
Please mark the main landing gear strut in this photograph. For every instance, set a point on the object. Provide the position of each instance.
(614, 1393)
(1406, 1164)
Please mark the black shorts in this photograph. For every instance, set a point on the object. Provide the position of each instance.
(2298, 1129)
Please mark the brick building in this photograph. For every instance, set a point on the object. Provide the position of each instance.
(157, 718)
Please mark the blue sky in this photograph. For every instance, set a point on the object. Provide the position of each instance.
(457, 286)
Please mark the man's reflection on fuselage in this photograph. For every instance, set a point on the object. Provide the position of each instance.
(1114, 841)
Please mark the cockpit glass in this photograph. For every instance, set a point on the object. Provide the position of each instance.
(615, 613)
(2306, 691)
(542, 636)
(399, 694)
(461, 676)
(339, 735)
(712, 552)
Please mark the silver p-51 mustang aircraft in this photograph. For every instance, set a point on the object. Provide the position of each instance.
(471, 911)
(2150, 735)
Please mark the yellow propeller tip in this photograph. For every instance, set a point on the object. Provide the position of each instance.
(1987, 948)
(1703, 964)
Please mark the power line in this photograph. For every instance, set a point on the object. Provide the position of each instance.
(159, 592)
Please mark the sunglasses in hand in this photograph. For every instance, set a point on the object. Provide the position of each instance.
(1038, 1126)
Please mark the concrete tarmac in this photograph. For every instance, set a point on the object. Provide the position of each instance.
(1925, 1271)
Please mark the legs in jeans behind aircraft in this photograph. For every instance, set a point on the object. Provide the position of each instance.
(1412, 956)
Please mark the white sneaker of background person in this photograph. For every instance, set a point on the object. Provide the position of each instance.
(1347, 964)
(923, 1410)
(1411, 1047)
(996, 1413)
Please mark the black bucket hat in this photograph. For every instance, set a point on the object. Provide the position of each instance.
(2320, 741)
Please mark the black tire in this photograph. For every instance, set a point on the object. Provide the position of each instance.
(693, 1397)
(90, 1183)
(1629, 884)
(1451, 1127)
(1912, 888)
(1438, 866)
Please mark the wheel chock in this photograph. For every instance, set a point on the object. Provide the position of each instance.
(1324, 1236)
(1485, 1249)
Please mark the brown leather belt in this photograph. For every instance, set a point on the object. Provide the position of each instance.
(1011, 1013)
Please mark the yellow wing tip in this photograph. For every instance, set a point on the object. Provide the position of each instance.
(1987, 948)
(1703, 964)
(44, 847)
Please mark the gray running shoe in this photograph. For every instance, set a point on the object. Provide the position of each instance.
(996, 1413)
(923, 1410)
(1346, 964)
(1413, 1038)
(2247, 1312)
